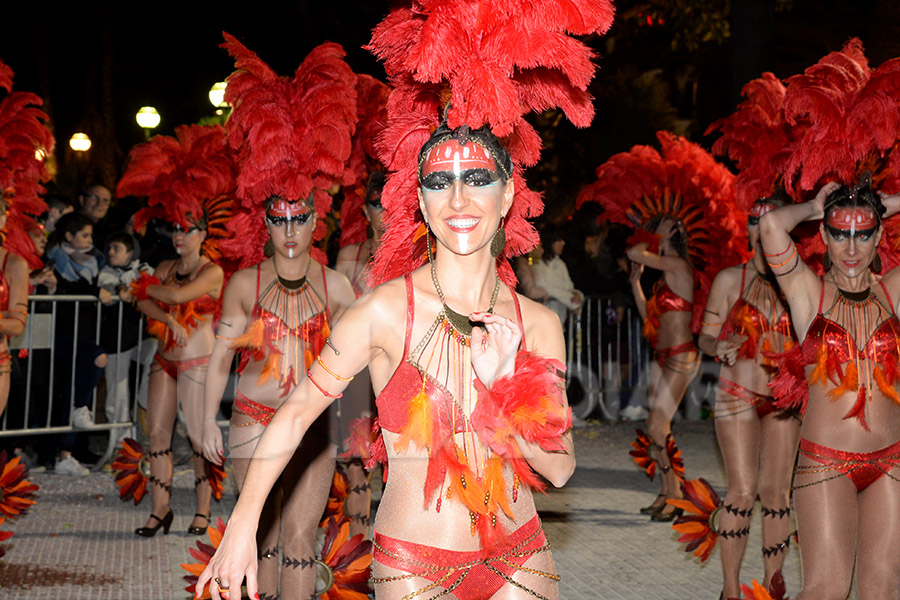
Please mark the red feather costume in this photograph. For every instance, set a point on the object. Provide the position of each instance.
(292, 139)
(683, 181)
(848, 116)
(493, 63)
(186, 178)
(24, 140)
(291, 136)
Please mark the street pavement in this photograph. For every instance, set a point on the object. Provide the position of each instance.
(77, 542)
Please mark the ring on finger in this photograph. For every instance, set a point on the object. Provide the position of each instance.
(222, 588)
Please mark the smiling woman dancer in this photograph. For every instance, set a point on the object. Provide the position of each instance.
(278, 312)
(189, 180)
(22, 129)
(457, 517)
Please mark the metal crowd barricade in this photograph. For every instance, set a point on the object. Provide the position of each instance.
(608, 363)
(41, 334)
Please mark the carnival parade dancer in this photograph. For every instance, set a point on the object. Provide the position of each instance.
(679, 199)
(279, 309)
(846, 493)
(466, 413)
(23, 128)
(745, 323)
(189, 181)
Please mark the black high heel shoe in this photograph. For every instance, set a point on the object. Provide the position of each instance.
(165, 523)
(194, 530)
(649, 510)
(664, 517)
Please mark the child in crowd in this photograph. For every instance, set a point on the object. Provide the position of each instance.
(119, 321)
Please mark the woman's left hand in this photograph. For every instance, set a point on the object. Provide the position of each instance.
(494, 350)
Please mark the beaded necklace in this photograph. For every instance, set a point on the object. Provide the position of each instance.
(449, 339)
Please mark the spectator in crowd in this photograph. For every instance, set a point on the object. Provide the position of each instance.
(77, 264)
(119, 321)
(94, 203)
(551, 274)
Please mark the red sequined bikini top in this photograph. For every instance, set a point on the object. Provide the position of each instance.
(836, 355)
(188, 314)
(288, 346)
(407, 380)
(661, 301)
(745, 319)
(883, 345)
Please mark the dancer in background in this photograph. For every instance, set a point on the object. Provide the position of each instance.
(681, 202)
(189, 180)
(279, 310)
(23, 127)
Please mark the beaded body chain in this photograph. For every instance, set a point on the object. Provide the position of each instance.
(288, 330)
(444, 358)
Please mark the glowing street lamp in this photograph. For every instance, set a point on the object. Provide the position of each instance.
(217, 94)
(148, 118)
(80, 142)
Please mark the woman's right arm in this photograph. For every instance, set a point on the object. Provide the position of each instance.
(235, 316)
(799, 283)
(352, 345)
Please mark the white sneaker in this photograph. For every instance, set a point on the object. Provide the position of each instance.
(70, 466)
(634, 412)
(82, 418)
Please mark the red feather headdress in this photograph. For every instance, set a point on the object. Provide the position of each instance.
(371, 103)
(185, 179)
(291, 136)
(758, 139)
(685, 182)
(494, 62)
(850, 118)
(24, 140)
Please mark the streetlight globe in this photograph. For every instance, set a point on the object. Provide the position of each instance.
(217, 94)
(80, 142)
(147, 117)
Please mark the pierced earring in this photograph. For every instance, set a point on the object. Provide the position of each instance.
(826, 261)
(428, 245)
(269, 248)
(876, 263)
(498, 240)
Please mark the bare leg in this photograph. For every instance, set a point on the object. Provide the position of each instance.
(546, 587)
(242, 439)
(781, 435)
(676, 376)
(161, 411)
(878, 562)
(306, 483)
(738, 433)
(827, 526)
(190, 394)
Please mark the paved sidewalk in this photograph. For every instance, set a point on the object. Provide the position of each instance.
(78, 543)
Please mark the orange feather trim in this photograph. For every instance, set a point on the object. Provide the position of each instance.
(886, 388)
(820, 372)
(848, 383)
(418, 428)
(139, 286)
(859, 408)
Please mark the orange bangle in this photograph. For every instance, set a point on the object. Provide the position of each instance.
(320, 388)
(793, 254)
(780, 253)
(330, 372)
